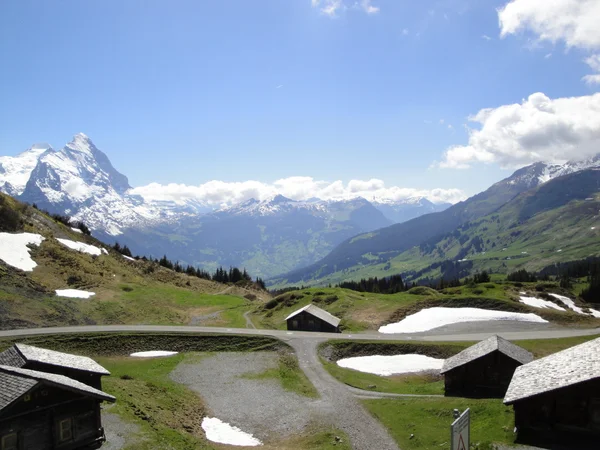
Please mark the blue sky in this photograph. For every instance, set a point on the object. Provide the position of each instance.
(235, 90)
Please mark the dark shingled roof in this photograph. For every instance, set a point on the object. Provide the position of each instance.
(11, 357)
(27, 377)
(317, 312)
(12, 387)
(565, 368)
(20, 354)
(485, 348)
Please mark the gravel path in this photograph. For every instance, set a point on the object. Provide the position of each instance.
(257, 406)
(249, 323)
(338, 402)
(118, 432)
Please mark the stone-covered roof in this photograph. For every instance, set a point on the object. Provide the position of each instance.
(20, 354)
(565, 368)
(19, 381)
(11, 357)
(12, 387)
(317, 312)
(485, 348)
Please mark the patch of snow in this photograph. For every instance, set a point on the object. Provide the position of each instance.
(594, 313)
(128, 257)
(431, 318)
(593, 228)
(568, 302)
(559, 250)
(223, 433)
(74, 293)
(523, 253)
(391, 365)
(80, 246)
(76, 230)
(104, 251)
(540, 303)
(14, 250)
(152, 354)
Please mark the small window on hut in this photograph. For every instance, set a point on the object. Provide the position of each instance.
(10, 442)
(65, 430)
(294, 324)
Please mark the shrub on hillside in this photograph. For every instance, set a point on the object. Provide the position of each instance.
(10, 220)
(422, 290)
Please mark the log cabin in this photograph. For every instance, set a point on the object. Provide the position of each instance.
(556, 399)
(484, 369)
(45, 411)
(313, 318)
(80, 368)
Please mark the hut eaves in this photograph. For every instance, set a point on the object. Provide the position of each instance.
(484, 348)
(317, 312)
(565, 368)
(20, 354)
(27, 376)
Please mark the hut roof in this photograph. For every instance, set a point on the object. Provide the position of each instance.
(15, 382)
(317, 312)
(492, 344)
(565, 368)
(20, 354)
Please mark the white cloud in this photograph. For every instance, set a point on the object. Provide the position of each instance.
(328, 7)
(576, 22)
(405, 32)
(548, 55)
(332, 7)
(219, 193)
(367, 7)
(486, 37)
(538, 129)
(594, 62)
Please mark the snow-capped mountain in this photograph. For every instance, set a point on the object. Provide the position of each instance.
(16, 170)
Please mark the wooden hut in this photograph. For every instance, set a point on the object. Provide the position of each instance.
(484, 369)
(313, 318)
(46, 411)
(557, 398)
(80, 368)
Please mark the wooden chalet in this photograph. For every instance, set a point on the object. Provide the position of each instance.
(80, 368)
(313, 318)
(484, 369)
(43, 411)
(557, 398)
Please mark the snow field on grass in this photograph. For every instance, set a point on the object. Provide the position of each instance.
(431, 318)
(80, 247)
(74, 293)
(391, 365)
(540, 303)
(223, 433)
(76, 230)
(14, 251)
(569, 303)
(152, 354)
(104, 251)
(128, 257)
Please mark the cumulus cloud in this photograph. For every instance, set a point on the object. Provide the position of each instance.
(538, 129)
(220, 193)
(573, 21)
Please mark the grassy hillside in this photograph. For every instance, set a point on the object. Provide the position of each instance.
(128, 292)
(361, 311)
(380, 246)
(556, 222)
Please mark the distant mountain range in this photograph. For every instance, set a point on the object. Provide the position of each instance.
(394, 249)
(267, 237)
